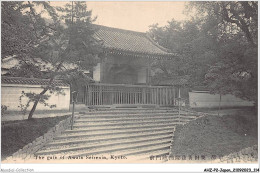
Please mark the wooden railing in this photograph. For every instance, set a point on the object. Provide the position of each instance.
(109, 94)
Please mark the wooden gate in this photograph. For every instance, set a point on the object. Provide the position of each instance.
(109, 94)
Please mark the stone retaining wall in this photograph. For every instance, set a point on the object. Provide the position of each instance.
(27, 152)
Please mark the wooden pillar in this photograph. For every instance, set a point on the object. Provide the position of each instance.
(179, 101)
(167, 95)
(143, 95)
(100, 95)
(90, 95)
(87, 95)
(148, 80)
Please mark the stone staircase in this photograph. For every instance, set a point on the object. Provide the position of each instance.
(138, 133)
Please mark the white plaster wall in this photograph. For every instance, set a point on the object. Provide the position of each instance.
(207, 100)
(10, 94)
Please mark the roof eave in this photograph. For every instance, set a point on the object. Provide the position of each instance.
(138, 54)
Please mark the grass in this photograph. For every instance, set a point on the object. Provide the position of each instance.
(10, 113)
(17, 134)
(217, 135)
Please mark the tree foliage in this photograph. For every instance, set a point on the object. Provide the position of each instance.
(217, 48)
(233, 17)
(237, 24)
(194, 51)
(82, 47)
(48, 47)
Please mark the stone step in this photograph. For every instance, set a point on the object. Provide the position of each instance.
(133, 133)
(114, 123)
(107, 138)
(109, 133)
(141, 118)
(127, 107)
(76, 143)
(84, 146)
(125, 149)
(117, 149)
(116, 128)
(148, 115)
(128, 111)
(146, 152)
(127, 126)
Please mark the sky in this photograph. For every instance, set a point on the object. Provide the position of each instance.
(136, 16)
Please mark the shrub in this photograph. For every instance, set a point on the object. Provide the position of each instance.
(3, 109)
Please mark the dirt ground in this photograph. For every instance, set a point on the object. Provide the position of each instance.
(16, 134)
(221, 135)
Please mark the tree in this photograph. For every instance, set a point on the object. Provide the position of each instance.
(236, 70)
(216, 48)
(24, 32)
(55, 44)
(194, 49)
(18, 33)
(233, 17)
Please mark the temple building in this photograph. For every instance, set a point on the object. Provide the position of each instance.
(123, 75)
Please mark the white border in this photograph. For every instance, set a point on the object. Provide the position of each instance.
(128, 167)
(122, 167)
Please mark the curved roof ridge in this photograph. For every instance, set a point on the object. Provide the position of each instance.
(129, 41)
(156, 44)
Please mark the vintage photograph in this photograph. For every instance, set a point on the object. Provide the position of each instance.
(129, 82)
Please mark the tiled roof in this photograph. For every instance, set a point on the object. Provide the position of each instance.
(129, 41)
(30, 81)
